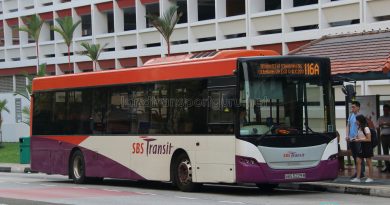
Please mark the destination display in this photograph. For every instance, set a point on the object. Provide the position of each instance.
(288, 69)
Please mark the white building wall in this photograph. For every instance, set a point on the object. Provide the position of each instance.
(253, 22)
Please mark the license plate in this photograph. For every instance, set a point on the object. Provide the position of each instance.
(295, 176)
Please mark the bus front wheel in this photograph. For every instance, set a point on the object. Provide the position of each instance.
(77, 169)
(182, 175)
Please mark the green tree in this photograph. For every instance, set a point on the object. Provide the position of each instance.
(3, 107)
(166, 24)
(93, 51)
(33, 28)
(66, 28)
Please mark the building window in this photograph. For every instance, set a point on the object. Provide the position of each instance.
(20, 83)
(129, 19)
(182, 4)
(273, 5)
(1, 36)
(344, 23)
(382, 18)
(303, 28)
(110, 22)
(6, 84)
(50, 23)
(18, 110)
(304, 2)
(151, 9)
(15, 35)
(206, 10)
(86, 25)
(235, 7)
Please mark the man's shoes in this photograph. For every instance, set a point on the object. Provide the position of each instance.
(369, 180)
(355, 180)
(353, 176)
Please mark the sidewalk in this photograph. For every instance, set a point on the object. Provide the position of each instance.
(380, 186)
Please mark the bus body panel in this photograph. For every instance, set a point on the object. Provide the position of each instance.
(215, 159)
(139, 157)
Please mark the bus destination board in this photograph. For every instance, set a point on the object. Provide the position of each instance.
(288, 69)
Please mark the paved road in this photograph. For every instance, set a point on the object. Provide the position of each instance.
(28, 189)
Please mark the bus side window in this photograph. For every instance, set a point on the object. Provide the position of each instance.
(220, 112)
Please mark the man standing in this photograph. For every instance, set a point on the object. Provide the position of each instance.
(384, 125)
(352, 132)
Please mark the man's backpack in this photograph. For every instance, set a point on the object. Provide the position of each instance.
(374, 137)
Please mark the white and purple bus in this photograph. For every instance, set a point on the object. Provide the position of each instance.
(243, 116)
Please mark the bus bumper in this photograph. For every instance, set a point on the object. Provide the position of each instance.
(251, 171)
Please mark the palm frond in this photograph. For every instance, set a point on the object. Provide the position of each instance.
(3, 106)
(33, 26)
(66, 28)
(93, 51)
(166, 24)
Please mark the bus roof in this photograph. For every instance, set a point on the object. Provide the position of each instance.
(206, 64)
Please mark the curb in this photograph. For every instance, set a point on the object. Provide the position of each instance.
(339, 188)
(16, 169)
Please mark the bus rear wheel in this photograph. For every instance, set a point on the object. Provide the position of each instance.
(77, 168)
(182, 176)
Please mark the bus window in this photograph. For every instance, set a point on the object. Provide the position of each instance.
(187, 113)
(99, 111)
(139, 110)
(43, 113)
(78, 112)
(118, 121)
(159, 108)
(59, 112)
(220, 114)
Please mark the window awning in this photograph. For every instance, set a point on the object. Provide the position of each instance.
(48, 16)
(128, 62)
(86, 65)
(50, 69)
(12, 22)
(149, 1)
(104, 7)
(359, 56)
(126, 3)
(83, 10)
(18, 71)
(107, 64)
(65, 67)
(65, 12)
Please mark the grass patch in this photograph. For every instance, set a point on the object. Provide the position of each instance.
(9, 152)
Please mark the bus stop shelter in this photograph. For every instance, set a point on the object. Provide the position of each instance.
(358, 56)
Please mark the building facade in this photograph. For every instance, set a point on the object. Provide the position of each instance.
(130, 40)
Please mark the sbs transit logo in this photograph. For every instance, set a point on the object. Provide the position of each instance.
(151, 148)
(291, 155)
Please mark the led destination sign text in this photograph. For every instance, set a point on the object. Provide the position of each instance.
(304, 69)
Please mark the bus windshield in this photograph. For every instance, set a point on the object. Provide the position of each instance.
(275, 104)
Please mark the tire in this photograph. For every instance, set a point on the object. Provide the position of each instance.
(182, 174)
(77, 168)
(267, 187)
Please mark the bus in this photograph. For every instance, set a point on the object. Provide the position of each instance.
(239, 116)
